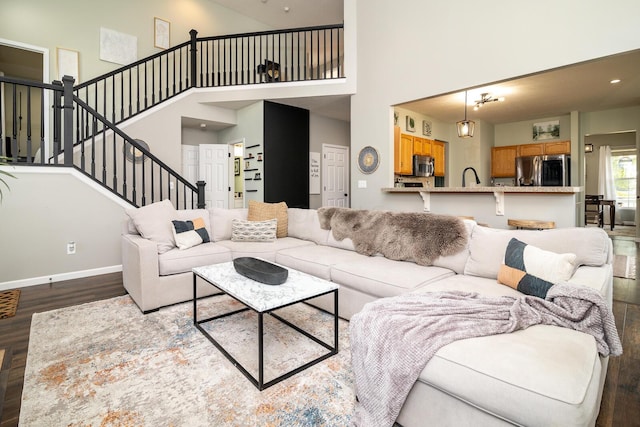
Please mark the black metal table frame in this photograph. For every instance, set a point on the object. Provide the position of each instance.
(259, 382)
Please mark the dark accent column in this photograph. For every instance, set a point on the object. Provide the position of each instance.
(201, 201)
(194, 56)
(67, 83)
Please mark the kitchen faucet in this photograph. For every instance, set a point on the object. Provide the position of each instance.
(474, 172)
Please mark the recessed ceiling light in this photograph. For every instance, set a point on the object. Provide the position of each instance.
(614, 81)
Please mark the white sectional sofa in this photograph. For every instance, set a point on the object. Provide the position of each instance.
(540, 376)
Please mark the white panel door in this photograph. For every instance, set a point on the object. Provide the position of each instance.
(190, 163)
(213, 169)
(335, 176)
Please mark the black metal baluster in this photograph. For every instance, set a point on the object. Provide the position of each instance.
(173, 64)
(14, 139)
(42, 153)
(160, 183)
(124, 165)
(146, 96)
(153, 82)
(114, 183)
(130, 92)
(166, 78)
(324, 52)
(29, 156)
(318, 59)
(104, 155)
(81, 136)
(94, 127)
(134, 195)
(144, 188)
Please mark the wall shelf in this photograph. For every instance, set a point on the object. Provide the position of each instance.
(251, 170)
(251, 191)
(252, 146)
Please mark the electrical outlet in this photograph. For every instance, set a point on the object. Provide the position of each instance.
(71, 248)
(171, 185)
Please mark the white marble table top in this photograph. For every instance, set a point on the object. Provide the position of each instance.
(260, 297)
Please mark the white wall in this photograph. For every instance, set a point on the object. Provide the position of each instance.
(75, 24)
(43, 211)
(419, 49)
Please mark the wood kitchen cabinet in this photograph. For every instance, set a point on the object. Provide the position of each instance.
(503, 161)
(402, 152)
(421, 146)
(437, 151)
(558, 147)
(530, 150)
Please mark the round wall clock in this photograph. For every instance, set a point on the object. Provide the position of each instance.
(368, 160)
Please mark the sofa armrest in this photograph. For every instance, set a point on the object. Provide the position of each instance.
(139, 266)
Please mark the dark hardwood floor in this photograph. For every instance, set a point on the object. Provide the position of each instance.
(620, 402)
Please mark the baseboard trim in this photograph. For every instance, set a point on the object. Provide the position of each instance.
(23, 283)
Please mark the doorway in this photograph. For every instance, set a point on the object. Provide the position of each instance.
(335, 176)
(27, 62)
(622, 185)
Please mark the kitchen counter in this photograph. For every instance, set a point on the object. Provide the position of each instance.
(495, 205)
(484, 189)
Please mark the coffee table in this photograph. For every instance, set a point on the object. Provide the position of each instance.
(264, 299)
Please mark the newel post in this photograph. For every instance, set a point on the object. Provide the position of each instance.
(194, 56)
(67, 119)
(57, 120)
(201, 202)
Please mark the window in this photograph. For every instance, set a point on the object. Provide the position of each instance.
(624, 176)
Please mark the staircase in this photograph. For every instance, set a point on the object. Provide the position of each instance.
(85, 120)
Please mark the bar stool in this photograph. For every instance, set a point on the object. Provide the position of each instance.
(531, 224)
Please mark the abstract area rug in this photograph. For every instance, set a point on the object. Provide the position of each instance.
(105, 363)
(624, 266)
(9, 303)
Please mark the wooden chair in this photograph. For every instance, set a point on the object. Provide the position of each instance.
(593, 210)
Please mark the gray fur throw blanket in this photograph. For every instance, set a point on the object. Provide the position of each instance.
(392, 339)
(402, 236)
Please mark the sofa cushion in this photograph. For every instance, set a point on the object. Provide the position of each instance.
(592, 246)
(304, 224)
(316, 259)
(189, 233)
(221, 222)
(260, 211)
(382, 277)
(153, 222)
(264, 250)
(253, 231)
(552, 369)
(176, 261)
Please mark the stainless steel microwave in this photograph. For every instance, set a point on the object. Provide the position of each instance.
(423, 165)
(547, 171)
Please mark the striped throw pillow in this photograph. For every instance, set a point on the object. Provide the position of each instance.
(253, 231)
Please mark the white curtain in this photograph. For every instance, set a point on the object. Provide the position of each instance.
(606, 184)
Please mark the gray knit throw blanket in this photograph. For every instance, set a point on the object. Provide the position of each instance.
(392, 339)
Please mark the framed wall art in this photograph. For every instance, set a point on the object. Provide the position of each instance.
(546, 130)
(161, 33)
(67, 61)
(426, 128)
(411, 124)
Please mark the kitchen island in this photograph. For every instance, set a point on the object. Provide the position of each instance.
(493, 206)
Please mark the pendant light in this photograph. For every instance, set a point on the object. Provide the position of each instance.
(465, 127)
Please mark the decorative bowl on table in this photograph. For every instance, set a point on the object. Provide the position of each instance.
(260, 270)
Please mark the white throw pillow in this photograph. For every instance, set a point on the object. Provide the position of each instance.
(253, 231)
(154, 223)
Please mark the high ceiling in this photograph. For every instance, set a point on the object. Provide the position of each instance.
(582, 87)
